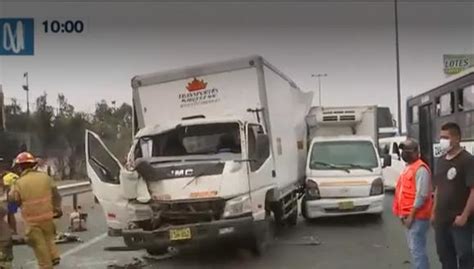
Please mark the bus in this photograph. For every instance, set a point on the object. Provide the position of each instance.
(452, 101)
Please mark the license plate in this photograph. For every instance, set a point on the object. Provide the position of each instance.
(346, 205)
(180, 234)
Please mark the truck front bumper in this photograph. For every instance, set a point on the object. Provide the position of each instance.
(338, 207)
(200, 234)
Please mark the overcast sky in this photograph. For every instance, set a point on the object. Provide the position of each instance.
(354, 43)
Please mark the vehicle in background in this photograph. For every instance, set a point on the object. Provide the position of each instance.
(344, 171)
(389, 146)
(220, 150)
(452, 101)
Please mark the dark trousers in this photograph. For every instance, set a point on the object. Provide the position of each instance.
(454, 245)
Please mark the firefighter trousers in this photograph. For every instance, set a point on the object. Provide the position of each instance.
(40, 237)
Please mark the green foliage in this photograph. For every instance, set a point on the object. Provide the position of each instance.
(60, 132)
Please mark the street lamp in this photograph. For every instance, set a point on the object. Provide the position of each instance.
(319, 76)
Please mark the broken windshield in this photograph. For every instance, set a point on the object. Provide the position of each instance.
(205, 139)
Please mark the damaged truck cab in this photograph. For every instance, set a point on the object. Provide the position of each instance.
(220, 151)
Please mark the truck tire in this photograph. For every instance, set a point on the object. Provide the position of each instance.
(262, 237)
(278, 213)
(292, 219)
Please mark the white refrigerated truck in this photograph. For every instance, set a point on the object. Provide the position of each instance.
(344, 172)
(220, 149)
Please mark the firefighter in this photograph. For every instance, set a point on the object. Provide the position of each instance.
(9, 178)
(38, 197)
(6, 253)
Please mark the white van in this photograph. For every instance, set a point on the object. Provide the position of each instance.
(390, 147)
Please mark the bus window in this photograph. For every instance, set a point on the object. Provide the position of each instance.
(447, 104)
(466, 98)
(438, 107)
(414, 114)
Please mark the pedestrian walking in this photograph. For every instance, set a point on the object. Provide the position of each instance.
(454, 199)
(37, 195)
(413, 202)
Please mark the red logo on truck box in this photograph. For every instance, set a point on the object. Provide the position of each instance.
(196, 85)
(198, 93)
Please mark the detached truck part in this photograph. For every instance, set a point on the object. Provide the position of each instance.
(220, 149)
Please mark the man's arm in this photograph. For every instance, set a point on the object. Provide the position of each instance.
(57, 199)
(422, 178)
(469, 180)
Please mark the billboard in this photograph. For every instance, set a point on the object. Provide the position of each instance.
(456, 63)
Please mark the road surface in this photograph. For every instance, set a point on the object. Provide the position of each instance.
(349, 242)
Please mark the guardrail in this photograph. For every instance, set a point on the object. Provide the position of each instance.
(74, 190)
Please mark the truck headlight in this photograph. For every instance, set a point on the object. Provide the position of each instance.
(312, 190)
(377, 187)
(237, 206)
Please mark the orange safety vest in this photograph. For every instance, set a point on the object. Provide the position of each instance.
(35, 194)
(405, 193)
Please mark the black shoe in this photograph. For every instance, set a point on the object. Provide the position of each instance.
(56, 261)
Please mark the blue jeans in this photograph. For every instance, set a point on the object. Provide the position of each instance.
(416, 238)
(454, 245)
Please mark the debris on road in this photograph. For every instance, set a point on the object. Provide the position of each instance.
(306, 241)
(61, 238)
(136, 264)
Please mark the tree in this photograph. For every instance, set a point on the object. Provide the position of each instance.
(43, 122)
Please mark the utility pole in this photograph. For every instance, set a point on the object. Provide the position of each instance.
(27, 89)
(397, 49)
(319, 83)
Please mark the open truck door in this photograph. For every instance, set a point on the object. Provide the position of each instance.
(103, 169)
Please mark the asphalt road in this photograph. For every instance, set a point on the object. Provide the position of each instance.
(347, 242)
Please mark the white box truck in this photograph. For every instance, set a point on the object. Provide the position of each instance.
(344, 172)
(220, 149)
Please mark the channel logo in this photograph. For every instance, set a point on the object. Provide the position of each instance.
(17, 36)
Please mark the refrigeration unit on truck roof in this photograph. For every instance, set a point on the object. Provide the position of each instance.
(337, 121)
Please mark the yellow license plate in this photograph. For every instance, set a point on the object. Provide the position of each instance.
(346, 205)
(180, 234)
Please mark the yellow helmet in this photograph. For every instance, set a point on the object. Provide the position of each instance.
(9, 179)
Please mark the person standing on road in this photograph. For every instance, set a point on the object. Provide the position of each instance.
(413, 202)
(6, 252)
(38, 197)
(9, 178)
(454, 200)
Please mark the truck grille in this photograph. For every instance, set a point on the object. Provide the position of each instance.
(188, 212)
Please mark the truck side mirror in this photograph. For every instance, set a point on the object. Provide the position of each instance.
(262, 146)
(387, 161)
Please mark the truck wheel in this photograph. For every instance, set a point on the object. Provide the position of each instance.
(261, 237)
(303, 208)
(278, 213)
(292, 219)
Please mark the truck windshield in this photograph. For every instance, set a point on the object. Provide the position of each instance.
(343, 154)
(205, 139)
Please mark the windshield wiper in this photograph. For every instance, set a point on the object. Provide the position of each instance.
(332, 166)
(352, 165)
